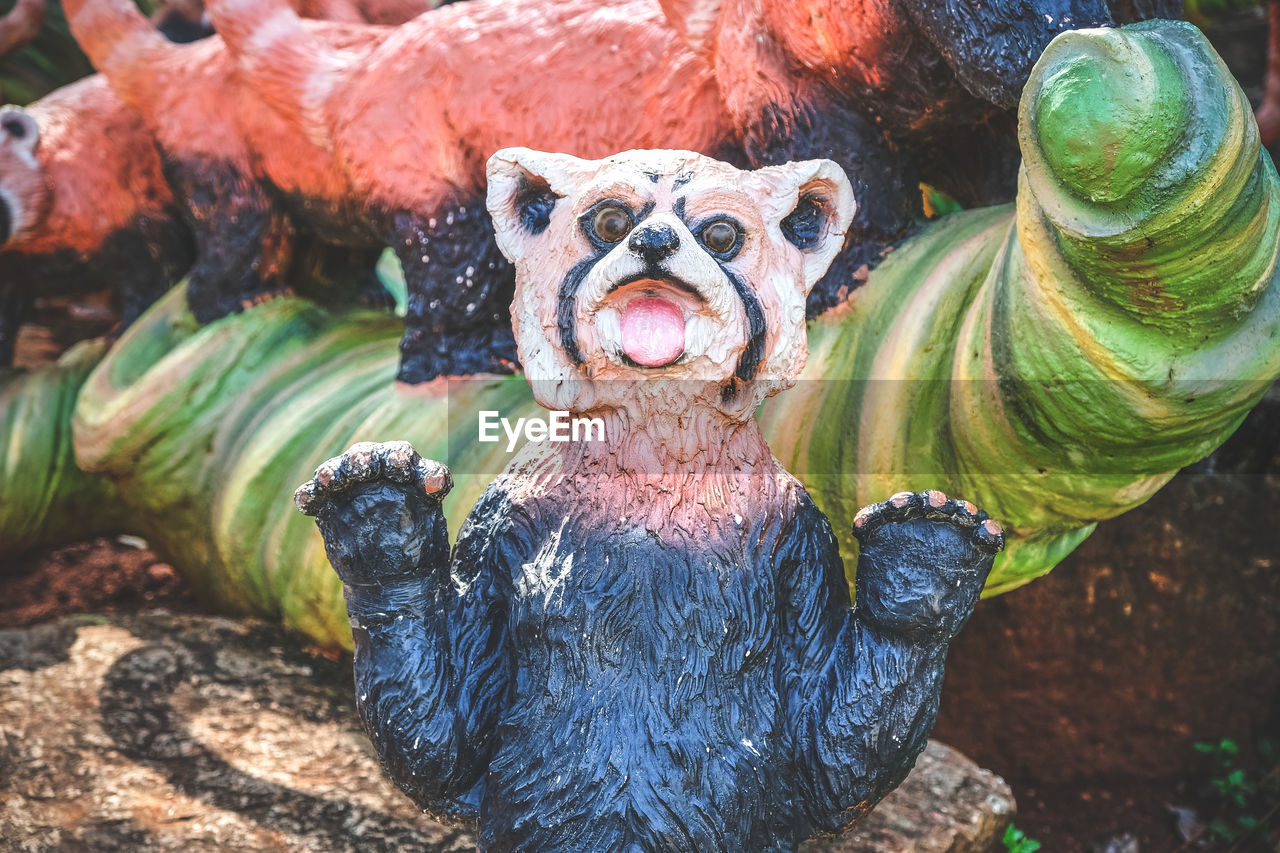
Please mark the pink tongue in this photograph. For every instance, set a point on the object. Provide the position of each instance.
(652, 331)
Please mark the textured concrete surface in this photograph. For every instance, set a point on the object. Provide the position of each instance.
(161, 732)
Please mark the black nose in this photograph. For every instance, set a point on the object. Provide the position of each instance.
(654, 242)
(6, 221)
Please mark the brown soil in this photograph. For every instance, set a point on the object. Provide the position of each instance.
(101, 575)
(1087, 689)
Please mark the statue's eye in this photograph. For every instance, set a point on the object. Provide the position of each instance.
(611, 223)
(720, 236)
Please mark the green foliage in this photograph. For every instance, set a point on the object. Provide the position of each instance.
(937, 203)
(1245, 806)
(1016, 841)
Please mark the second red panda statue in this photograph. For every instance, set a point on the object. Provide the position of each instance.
(378, 137)
(408, 120)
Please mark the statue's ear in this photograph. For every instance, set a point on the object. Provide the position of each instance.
(19, 129)
(811, 202)
(696, 20)
(524, 188)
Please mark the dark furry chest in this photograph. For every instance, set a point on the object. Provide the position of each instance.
(607, 597)
(644, 671)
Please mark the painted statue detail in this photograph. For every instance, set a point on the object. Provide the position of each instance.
(646, 642)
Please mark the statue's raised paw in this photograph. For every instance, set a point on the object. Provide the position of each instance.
(378, 508)
(923, 560)
(368, 462)
(932, 505)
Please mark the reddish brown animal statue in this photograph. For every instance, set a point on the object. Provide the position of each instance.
(409, 119)
(191, 13)
(185, 20)
(202, 117)
(83, 205)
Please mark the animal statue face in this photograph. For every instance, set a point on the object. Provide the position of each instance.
(655, 279)
(23, 192)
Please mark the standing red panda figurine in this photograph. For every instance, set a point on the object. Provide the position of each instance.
(645, 642)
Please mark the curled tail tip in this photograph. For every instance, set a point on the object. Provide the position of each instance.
(255, 24)
(1141, 157)
(1108, 113)
(113, 33)
(1102, 113)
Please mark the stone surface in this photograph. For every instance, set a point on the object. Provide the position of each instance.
(160, 732)
(947, 805)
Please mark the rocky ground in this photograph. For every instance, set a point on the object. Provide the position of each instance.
(159, 732)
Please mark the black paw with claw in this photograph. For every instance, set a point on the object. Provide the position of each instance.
(378, 506)
(924, 559)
